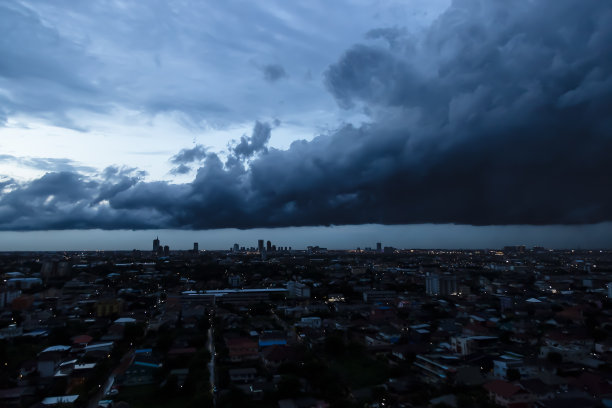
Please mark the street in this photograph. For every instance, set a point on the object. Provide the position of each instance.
(211, 364)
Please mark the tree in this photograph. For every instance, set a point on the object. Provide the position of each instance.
(334, 345)
(133, 332)
(554, 357)
(289, 386)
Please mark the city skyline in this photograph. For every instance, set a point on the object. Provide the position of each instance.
(336, 238)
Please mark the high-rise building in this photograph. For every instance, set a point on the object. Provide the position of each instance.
(155, 244)
(195, 247)
(269, 246)
(440, 285)
(236, 247)
(166, 250)
(378, 247)
(260, 245)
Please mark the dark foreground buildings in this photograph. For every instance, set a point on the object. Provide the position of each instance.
(516, 327)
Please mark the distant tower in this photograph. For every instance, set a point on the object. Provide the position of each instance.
(155, 244)
(378, 247)
(195, 247)
(236, 247)
(166, 250)
(268, 246)
(260, 245)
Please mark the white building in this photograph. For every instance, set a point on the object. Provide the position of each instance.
(298, 289)
(313, 322)
(440, 285)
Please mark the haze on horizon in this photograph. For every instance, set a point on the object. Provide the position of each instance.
(417, 236)
(445, 123)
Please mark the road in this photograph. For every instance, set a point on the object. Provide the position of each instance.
(126, 360)
(211, 364)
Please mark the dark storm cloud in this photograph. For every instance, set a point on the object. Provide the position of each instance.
(187, 156)
(180, 169)
(273, 72)
(497, 115)
(248, 146)
(5, 182)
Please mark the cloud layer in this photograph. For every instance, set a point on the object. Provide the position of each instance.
(496, 115)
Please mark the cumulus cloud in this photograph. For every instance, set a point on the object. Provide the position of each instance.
(248, 146)
(186, 156)
(495, 115)
(180, 169)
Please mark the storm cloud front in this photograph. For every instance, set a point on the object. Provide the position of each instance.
(493, 115)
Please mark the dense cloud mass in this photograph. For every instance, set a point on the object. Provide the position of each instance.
(498, 115)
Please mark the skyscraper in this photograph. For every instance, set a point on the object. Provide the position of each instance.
(269, 246)
(166, 250)
(260, 245)
(155, 244)
(195, 247)
(378, 247)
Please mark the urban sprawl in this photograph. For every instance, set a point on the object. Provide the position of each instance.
(274, 326)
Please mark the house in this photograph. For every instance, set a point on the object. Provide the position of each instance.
(538, 389)
(446, 400)
(437, 368)
(276, 355)
(466, 345)
(569, 402)
(63, 400)
(594, 384)
(508, 395)
(81, 341)
(80, 373)
(242, 375)
(242, 348)
(47, 363)
(272, 338)
(142, 370)
(181, 352)
(139, 373)
(108, 307)
(510, 361)
(15, 397)
(180, 374)
(312, 322)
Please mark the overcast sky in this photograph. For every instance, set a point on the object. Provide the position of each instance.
(393, 117)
